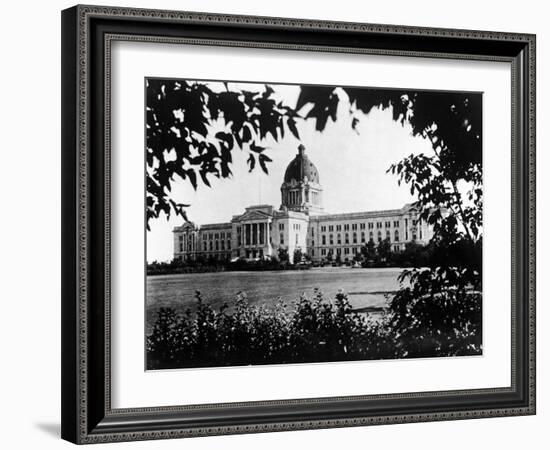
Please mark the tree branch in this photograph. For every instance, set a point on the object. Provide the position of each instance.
(458, 203)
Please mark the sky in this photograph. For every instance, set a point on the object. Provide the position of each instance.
(351, 165)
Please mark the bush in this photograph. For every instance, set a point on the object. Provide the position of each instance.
(312, 330)
(437, 315)
(177, 265)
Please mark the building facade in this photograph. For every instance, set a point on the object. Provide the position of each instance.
(300, 223)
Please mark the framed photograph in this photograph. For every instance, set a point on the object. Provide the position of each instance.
(279, 224)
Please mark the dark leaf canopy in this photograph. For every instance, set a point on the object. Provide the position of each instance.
(181, 141)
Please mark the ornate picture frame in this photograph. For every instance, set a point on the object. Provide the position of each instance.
(88, 33)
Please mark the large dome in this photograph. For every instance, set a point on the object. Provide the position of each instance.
(301, 167)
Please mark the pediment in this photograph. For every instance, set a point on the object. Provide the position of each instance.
(188, 226)
(253, 215)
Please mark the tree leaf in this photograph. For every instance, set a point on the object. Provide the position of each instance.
(263, 159)
(251, 162)
(256, 148)
(292, 127)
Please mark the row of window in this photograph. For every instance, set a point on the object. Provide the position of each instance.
(226, 244)
(346, 251)
(295, 226)
(354, 237)
(209, 246)
(222, 235)
(362, 226)
(331, 228)
(339, 251)
(216, 245)
(219, 256)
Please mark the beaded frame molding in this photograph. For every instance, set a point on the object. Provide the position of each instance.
(87, 35)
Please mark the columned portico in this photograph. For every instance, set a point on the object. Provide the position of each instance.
(252, 230)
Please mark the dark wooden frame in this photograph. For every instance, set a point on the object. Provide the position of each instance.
(87, 32)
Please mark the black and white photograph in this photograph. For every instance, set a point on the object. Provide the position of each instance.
(294, 224)
(275, 225)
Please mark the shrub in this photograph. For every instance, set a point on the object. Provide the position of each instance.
(312, 330)
(436, 315)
